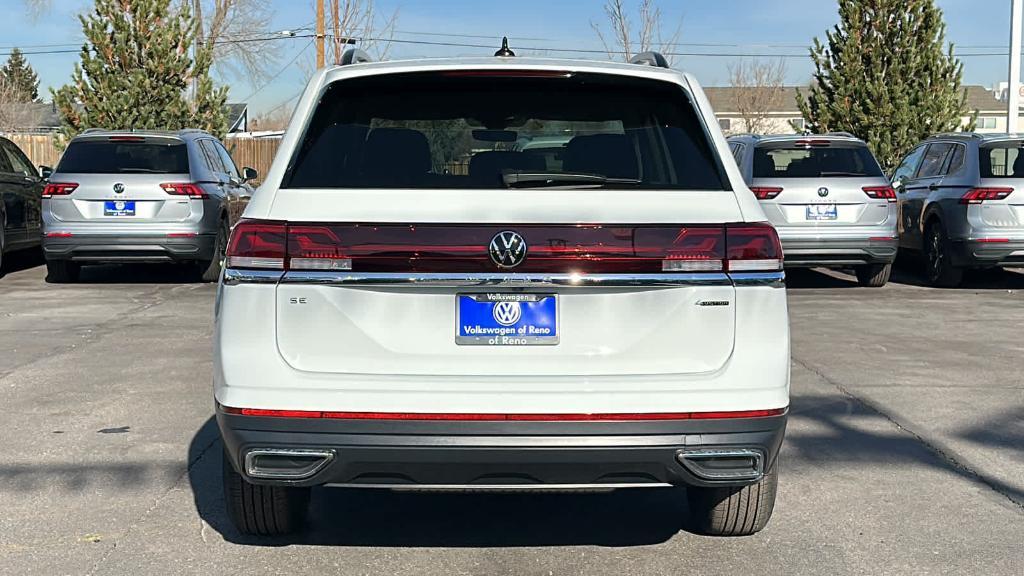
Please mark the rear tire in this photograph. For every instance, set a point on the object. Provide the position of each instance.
(62, 271)
(874, 275)
(210, 269)
(734, 510)
(938, 259)
(263, 510)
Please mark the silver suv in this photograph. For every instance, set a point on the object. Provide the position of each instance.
(827, 197)
(956, 203)
(147, 196)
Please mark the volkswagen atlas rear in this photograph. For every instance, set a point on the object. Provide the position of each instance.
(419, 299)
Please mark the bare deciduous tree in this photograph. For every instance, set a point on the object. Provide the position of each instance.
(625, 39)
(239, 33)
(758, 89)
(15, 112)
(359, 20)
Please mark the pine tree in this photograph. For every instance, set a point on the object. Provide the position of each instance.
(137, 71)
(886, 77)
(18, 73)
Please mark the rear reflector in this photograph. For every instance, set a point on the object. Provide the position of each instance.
(184, 189)
(979, 195)
(765, 192)
(468, 417)
(992, 240)
(59, 189)
(58, 234)
(574, 249)
(880, 193)
(182, 235)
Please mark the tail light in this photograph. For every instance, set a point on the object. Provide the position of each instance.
(765, 192)
(582, 249)
(184, 189)
(258, 244)
(979, 195)
(59, 189)
(752, 248)
(880, 193)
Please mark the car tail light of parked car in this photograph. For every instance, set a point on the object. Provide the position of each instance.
(184, 189)
(880, 192)
(979, 195)
(765, 192)
(59, 189)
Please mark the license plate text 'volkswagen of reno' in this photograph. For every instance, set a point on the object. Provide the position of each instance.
(507, 319)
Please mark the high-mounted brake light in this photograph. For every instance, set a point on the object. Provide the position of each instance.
(813, 143)
(507, 74)
(184, 189)
(880, 192)
(59, 189)
(765, 192)
(126, 139)
(979, 195)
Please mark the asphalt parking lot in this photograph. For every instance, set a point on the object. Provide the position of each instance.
(905, 451)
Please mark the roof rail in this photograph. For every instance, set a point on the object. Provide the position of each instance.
(840, 133)
(650, 59)
(957, 135)
(355, 56)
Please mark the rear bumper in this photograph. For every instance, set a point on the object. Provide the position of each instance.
(974, 253)
(504, 455)
(130, 248)
(810, 248)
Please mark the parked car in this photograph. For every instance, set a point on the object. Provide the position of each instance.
(617, 321)
(956, 203)
(827, 197)
(20, 186)
(141, 196)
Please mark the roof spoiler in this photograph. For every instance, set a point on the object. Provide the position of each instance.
(650, 59)
(355, 56)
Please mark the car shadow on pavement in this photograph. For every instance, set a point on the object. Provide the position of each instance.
(907, 274)
(21, 260)
(384, 518)
(139, 274)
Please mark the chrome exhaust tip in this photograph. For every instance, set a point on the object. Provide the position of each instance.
(286, 463)
(723, 464)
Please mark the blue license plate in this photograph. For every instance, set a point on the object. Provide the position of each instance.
(119, 208)
(502, 319)
(822, 212)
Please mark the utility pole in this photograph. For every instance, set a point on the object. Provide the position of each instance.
(1013, 102)
(321, 34)
(197, 13)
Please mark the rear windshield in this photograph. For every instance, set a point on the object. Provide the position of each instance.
(125, 157)
(478, 130)
(790, 160)
(1002, 160)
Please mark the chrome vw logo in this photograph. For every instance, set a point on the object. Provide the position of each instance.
(508, 249)
(119, 188)
(507, 313)
(822, 191)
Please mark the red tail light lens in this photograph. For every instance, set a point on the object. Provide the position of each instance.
(316, 248)
(752, 248)
(765, 192)
(880, 193)
(258, 244)
(979, 195)
(59, 189)
(184, 189)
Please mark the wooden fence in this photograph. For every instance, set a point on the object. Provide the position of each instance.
(256, 153)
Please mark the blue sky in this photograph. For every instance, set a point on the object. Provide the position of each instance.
(743, 26)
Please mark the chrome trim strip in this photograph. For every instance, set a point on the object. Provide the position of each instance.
(503, 279)
(234, 276)
(500, 487)
(758, 278)
(326, 456)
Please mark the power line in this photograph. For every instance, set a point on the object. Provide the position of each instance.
(281, 71)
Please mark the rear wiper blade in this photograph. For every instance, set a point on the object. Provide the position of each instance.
(519, 179)
(826, 174)
(143, 170)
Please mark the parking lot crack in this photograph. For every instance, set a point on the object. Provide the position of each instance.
(946, 454)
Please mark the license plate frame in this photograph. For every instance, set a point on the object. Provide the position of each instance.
(821, 212)
(528, 319)
(119, 208)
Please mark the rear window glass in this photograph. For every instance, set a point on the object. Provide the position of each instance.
(1003, 160)
(113, 157)
(792, 161)
(466, 130)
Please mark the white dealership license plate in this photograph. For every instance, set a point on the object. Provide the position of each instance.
(822, 212)
(506, 319)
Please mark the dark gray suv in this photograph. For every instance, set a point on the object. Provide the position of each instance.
(957, 205)
(147, 196)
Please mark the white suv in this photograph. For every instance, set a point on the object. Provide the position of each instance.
(417, 298)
